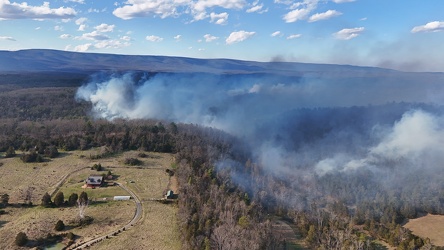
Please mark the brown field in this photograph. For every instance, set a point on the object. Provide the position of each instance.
(429, 226)
(158, 225)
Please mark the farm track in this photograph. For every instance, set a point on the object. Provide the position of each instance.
(137, 216)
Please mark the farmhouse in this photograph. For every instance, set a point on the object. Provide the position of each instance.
(94, 181)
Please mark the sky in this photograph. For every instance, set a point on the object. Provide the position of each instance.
(397, 34)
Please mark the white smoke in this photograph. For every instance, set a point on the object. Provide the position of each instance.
(416, 140)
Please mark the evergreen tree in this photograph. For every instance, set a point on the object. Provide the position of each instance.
(21, 239)
(59, 226)
(72, 200)
(59, 199)
(46, 200)
(83, 198)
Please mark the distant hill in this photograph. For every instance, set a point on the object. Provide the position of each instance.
(37, 60)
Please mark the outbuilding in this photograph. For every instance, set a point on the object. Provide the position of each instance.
(122, 198)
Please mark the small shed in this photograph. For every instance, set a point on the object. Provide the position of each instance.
(122, 198)
(169, 194)
(94, 181)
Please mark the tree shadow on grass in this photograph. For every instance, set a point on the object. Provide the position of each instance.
(2, 223)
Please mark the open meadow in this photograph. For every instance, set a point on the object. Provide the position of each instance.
(67, 174)
(429, 226)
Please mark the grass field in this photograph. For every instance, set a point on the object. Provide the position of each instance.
(157, 227)
(429, 226)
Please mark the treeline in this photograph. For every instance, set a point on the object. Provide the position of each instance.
(81, 134)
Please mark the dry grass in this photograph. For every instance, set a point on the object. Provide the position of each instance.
(157, 228)
(430, 226)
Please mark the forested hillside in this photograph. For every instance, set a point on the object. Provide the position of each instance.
(37, 118)
(228, 196)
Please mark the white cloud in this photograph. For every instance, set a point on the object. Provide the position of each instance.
(429, 27)
(65, 36)
(58, 28)
(7, 38)
(219, 18)
(201, 6)
(276, 33)
(82, 27)
(168, 8)
(141, 8)
(15, 10)
(38, 28)
(81, 20)
(239, 36)
(257, 8)
(210, 38)
(125, 38)
(154, 38)
(300, 10)
(323, 16)
(343, 1)
(295, 15)
(76, 1)
(104, 28)
(91, 10)
(178, 38)
(347, 34)
(111, 44)
(294, 36)
(93, 36)
(83, 47)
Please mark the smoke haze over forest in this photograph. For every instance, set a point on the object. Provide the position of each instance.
(390, 123)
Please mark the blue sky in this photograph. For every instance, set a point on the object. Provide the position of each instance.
(399, 34)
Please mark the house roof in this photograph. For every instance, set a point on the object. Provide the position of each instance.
(94, 180)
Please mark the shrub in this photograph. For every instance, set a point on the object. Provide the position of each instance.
(21, 239)
(51, 152)
(46, 200)
(132, 161)
(72, 200)
(31, 157)
(59, 199)
(97, 167)
(70, 236)
(10, 152)
(59, 226)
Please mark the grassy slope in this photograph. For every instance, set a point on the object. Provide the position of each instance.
(430, 226)
(38, 221)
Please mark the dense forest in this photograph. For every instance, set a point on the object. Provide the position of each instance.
(227, 195)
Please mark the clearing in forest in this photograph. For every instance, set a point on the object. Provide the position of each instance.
(148, 181)
(429, 226)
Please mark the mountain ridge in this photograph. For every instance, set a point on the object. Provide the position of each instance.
(34, 60)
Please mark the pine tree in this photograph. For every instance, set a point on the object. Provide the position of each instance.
(59, 226)
(59, 199)
(72, 200)
(46, 200)
(21, 239)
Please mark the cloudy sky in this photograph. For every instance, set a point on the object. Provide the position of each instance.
(406, 35)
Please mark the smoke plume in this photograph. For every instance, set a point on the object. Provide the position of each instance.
(301, 125)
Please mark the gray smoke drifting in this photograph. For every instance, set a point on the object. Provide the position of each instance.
(301, 126)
